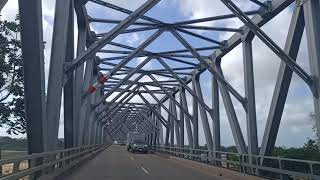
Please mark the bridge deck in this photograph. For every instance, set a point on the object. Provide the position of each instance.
(115, 163)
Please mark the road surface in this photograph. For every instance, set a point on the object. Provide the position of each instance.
(115, 163)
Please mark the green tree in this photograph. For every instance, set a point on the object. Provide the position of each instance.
(12, 114)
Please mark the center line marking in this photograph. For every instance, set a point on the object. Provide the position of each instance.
(144, 170)
(131, 158)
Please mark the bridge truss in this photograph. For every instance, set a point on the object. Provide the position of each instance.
(99, 92)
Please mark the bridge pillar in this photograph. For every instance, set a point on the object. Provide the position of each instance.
(160, 137)
(203, 113)
(215, 118)
(68, 90)
(312, 20)
(250, 95)
(79, 81)
(33, 72)
(56, 71)
(188, 121)
(176, 122)
(283, 83)
(181, 125)
(171, 123)
(195, 118)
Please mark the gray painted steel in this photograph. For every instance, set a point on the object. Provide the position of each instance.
(33, 72)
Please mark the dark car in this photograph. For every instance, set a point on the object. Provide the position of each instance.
(121, 143)
(138, 146)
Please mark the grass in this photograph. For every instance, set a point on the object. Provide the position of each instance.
(6, 154)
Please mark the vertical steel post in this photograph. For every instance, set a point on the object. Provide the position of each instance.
(187, 119)
(182, 119)
(89, 114)
(68, 86)
(195, 118)
(312, 19)
(33, 74)
(203, 114)
(250, 94)
(171, 124)
(85, 105)
(56, 72)
(168, 129)
(78, 77)
(161, 142)
(176, 122)
(216, 118)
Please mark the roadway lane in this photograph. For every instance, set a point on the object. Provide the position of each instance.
(115, 163)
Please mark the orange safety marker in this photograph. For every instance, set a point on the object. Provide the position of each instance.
(102, 79)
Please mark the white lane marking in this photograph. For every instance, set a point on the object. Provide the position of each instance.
(131, 158)
(144, 170)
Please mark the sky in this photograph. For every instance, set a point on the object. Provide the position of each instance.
(295, 126)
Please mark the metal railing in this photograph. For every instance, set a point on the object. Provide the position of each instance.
(46, 165)
(264, 166)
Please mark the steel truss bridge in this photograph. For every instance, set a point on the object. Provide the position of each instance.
(100, 86)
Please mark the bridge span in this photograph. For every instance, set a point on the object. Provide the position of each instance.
(170, 85)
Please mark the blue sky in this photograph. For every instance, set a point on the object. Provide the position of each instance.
(295, 127)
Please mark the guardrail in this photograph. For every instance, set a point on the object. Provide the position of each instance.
(47, 165)
(264, 166)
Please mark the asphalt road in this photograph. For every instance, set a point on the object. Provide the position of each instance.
(115, 163)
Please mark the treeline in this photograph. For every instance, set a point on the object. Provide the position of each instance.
(13, 144)
(309, 151)
(20, 144)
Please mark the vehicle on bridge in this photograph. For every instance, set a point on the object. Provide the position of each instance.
(136, 142)
(121, 142)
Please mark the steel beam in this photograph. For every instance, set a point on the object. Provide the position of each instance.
(127, 89)
(276, 6)
(283, 83)
(216, 118)
(171, 114)
(126, 78)
(209, 65)
(163, 121)
(107, 38)
(176, 123)
(312, 20)
(195, 115)
(203, 114)
(183, 101)
(170, 96)
(171, 122)
(232, 116)
(57, 60)
(183, 83)
(161, 142)
(3, 3)
(68, 85)
(85, 101)
(182, 119)
(33, 74)
(270, 43)
(250, 94)
(80, 82)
